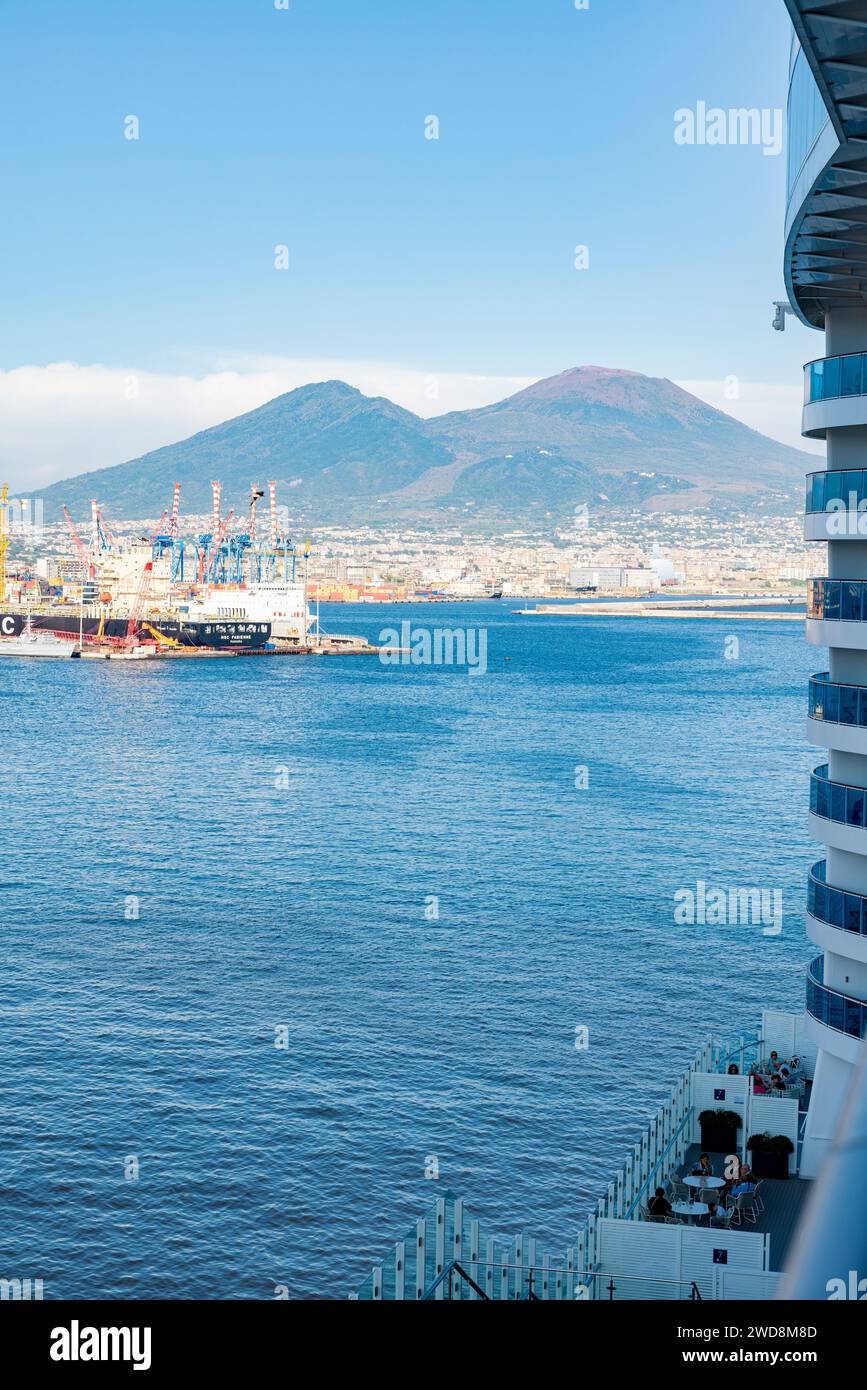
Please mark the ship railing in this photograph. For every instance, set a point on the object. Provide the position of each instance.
(742, 1054)
(446, 1255)
(551, 1283)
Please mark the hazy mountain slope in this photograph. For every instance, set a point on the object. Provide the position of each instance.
(617, 420)
(339, 455)
(323, 441)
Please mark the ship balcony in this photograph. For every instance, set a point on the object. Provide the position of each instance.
(836, 919)
(838, 813)
(837, 715)
(835, 394)
(837, 613)
(836, 505)
(838, 1022)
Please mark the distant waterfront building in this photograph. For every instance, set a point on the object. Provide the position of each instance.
(610, 577)
(826, 280)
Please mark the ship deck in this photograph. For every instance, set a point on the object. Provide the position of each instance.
(783, 1201)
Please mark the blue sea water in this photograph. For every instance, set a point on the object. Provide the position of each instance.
(283, 824)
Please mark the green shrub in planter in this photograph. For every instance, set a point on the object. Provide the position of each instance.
(719, 1130)
(769, 1154)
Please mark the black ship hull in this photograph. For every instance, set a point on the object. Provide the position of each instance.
(223, 635)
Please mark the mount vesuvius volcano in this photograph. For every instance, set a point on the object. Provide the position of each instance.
(593, 435)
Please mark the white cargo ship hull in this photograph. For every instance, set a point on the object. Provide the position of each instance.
(284, 606)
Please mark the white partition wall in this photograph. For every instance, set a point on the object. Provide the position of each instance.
(787, 1034)
(770, 1115)
(662, 1262)
(737, 1285)
(710, 1091)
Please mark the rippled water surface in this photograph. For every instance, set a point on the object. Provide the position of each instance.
(283, 823)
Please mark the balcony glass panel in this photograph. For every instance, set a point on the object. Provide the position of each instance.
(848, 713)
(852, 490)
(834, 377)
(836, 1012)
(837, 600)
(850, 603)
(838, 803)
(832, 1008)
(854, 806)
(816, 493)
(850, 375)
(816, 700)
(852, 915)
(831, 605)
(835, 488)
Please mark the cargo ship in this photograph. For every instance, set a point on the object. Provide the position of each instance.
(168, 631)
(282, 607)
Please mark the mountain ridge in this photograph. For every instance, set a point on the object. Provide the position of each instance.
(590, 434)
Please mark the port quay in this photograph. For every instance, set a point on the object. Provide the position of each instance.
(225, 592)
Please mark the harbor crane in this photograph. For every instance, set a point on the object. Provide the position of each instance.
(138, 604)
(255, 493)
(176, 506)
(85, 558)
(104, 532)
(4, 538)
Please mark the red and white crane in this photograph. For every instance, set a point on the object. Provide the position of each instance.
(138, 604)
(176, 506)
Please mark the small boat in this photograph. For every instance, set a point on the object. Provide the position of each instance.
(30, 643)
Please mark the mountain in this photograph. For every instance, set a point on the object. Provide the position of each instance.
(590, 435)
(322, 443)
(541, 479)
(617, 420)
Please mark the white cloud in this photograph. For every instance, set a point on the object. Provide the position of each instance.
(772, 410)
(63, 419)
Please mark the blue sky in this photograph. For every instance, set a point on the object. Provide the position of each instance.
(448, 260)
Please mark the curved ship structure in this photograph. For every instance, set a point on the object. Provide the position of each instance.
(826, 278)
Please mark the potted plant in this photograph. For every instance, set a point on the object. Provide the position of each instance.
(719, 1130)
(769, 1154)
